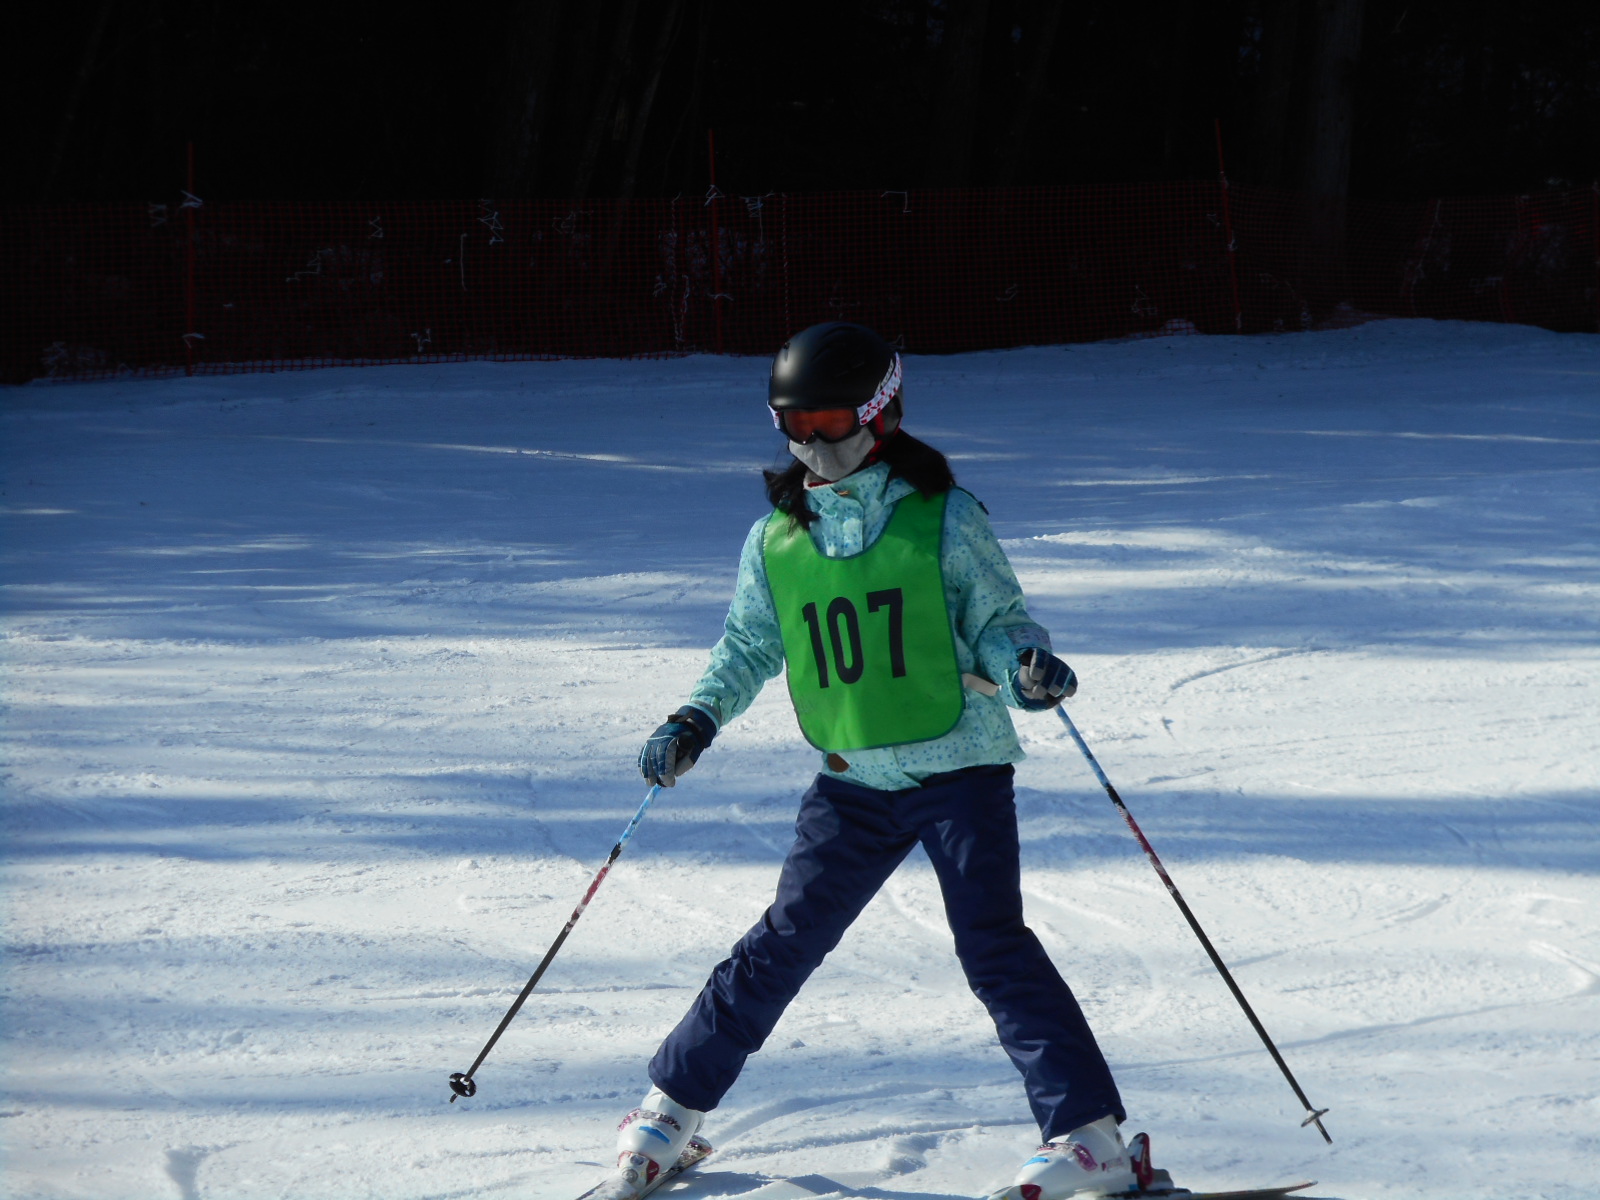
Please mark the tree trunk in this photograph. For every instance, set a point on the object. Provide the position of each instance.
(666, 36)
(949, 160)
(69, 112)
(691, 117)
(1176, 68)
(525, 98)
(1330, 117)
(1280, 52)
(1331, 107)
(605, 105)
(1041, 45)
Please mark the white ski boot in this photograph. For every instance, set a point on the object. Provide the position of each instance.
(1091, 1161)
(652, 1138)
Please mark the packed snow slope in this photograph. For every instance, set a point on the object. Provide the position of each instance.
(324, 691)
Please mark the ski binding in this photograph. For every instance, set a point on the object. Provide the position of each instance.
(1153, 1183)
(625, 1182)
(1156, 1184)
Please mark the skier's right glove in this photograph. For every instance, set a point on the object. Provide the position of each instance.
(677, 745)
(1042, 680)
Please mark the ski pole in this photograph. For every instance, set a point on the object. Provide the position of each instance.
(1316, 1114)
(461, 1083)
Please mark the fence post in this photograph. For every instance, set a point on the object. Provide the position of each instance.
(1227, 227)
(1508, 304)
(188, 266)
(716, 239)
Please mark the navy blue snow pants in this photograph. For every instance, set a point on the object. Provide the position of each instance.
(848, 840)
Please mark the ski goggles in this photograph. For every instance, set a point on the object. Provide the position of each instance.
(804, 425)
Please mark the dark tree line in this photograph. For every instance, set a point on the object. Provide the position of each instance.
(615, 97)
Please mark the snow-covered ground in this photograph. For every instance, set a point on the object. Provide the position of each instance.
(324, 689)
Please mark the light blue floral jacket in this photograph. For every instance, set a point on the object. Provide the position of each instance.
(986, 612)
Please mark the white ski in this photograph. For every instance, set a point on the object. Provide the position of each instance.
(1156, 1184)
(624, 1184)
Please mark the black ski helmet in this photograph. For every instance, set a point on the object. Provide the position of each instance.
(837, 364)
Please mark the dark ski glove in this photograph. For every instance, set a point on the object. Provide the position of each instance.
(1042, 680)
(676, 746)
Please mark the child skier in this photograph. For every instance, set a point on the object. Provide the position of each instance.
(882, 586)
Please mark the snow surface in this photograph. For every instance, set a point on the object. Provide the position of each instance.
(324, 689)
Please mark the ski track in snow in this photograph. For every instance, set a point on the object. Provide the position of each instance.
(323, 690)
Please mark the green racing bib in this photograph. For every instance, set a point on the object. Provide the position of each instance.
(871, 655)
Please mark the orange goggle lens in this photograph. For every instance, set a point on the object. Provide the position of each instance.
(829, 424)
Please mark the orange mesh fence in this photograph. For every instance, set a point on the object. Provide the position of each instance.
(94, 290)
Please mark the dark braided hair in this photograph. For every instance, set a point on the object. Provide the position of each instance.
(909, 458)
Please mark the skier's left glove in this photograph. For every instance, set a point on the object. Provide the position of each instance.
(677, 745)
(1042, 680)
